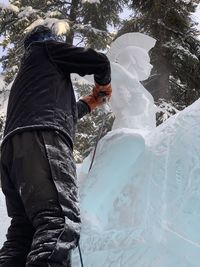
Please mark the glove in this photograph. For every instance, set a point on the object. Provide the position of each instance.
(102, 90)
(97, 98)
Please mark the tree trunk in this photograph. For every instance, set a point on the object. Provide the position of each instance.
(72, 16)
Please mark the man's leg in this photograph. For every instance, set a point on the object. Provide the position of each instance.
(44, 170)
(20, 233)
(63, 172)
(19, 238)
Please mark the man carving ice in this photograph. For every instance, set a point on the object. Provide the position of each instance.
(38, 173)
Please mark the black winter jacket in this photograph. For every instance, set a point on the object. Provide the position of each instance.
(42, 96)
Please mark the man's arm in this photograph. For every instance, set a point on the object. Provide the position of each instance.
(84, 61)
(97, 97)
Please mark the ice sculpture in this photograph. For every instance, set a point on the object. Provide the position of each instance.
(107, 194)
(140, 202)
(132, 104)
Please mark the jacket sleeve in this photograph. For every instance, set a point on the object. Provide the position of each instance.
(72, 59)
(82, 108)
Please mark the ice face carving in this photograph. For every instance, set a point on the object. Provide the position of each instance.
(132, 104)
(136, 61)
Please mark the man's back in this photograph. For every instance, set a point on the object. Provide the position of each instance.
(42, 95)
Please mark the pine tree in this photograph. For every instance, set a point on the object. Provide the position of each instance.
(176, 56)
(81, 22)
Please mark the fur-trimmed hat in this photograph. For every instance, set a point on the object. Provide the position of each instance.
(39, 33)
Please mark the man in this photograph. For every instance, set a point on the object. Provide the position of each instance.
(38, 173)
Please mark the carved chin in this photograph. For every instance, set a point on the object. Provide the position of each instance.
(143, 75)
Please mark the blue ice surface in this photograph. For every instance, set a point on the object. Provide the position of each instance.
(141, 202)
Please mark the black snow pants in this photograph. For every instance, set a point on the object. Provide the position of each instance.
(38, 179)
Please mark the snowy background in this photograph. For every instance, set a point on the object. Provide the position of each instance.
(124, 15)
(196, 16)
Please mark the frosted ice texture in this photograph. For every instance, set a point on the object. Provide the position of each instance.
(131, 103)
(141, 201)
